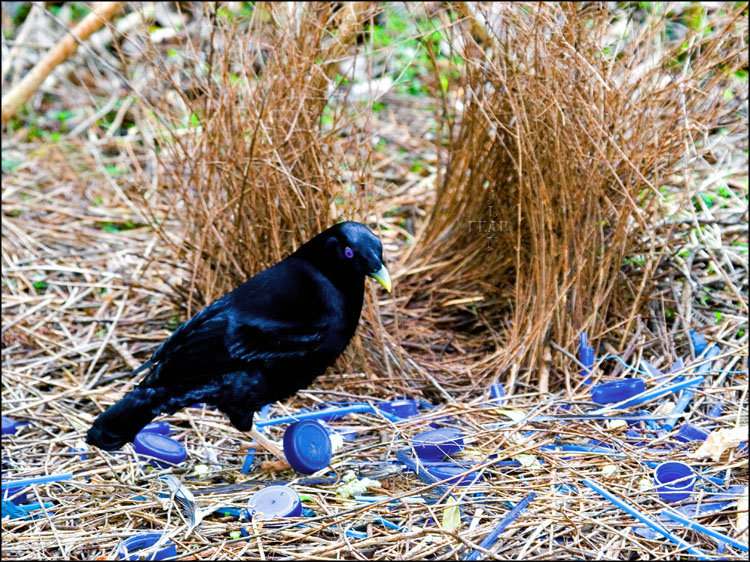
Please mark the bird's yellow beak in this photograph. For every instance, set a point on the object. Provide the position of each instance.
(382, 277)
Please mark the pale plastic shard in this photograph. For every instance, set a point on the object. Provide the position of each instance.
(719, 441)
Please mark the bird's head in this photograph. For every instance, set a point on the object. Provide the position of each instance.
(350, 247)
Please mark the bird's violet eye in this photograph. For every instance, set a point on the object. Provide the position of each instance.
(348, 252)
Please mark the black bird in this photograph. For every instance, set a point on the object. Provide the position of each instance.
(260, 343)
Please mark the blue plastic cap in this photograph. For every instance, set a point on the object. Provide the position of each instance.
(161, 427)
(9, 426)
(699, 342)
(688, 432)
(273, 502)
(307, 446)
(435, 444)
(160, 448)
(668, 472)
(452, 473)
(401, 408)
(128, 549)
(616, 391)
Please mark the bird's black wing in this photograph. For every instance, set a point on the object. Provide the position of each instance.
(276, 315)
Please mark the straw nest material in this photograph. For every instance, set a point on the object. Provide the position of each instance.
(617, 213)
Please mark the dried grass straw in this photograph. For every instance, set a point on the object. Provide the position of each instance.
(93, 261)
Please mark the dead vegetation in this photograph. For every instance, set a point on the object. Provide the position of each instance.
(567, 168)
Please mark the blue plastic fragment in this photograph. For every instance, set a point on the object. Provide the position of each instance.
(650, 369)
(617, 391)
(633, 434)
(715, 410)
(435, 444)
(15, 494)
(689, 432)
(699, 342)
(654, 525)
(679, 407)
(511, 516)
(130, 547)
(229, 511)
(452, 473)
(416, 466)
(705, 367)
(678, 385)
(9, 426)
(247, 464)
(586, 356)
(497, 393)
(161, 427)
(401, 408)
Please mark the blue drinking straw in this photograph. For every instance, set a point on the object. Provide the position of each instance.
(511, 516)
(325, 413)
(654, 525)
(37, 480)
(690, 524)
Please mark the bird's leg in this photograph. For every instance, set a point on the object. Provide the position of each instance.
(268, 445)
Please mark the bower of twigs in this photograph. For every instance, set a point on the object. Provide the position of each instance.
(566, 168)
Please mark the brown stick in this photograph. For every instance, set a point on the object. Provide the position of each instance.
(22, 91)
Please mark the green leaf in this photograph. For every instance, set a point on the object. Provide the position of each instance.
(451, 516)
(515, 415)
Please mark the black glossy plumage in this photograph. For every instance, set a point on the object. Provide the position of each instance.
(260, 343)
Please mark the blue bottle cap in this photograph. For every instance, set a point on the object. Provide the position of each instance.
(159, 447)
(18, 491)
(161, 427)
(307, 446)
(664, 476)
(401, 408)
(128, 549)
(9, 426)
(688, 432)
(435, 444)
(616, 391)
(453, 473)
(273, 502)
